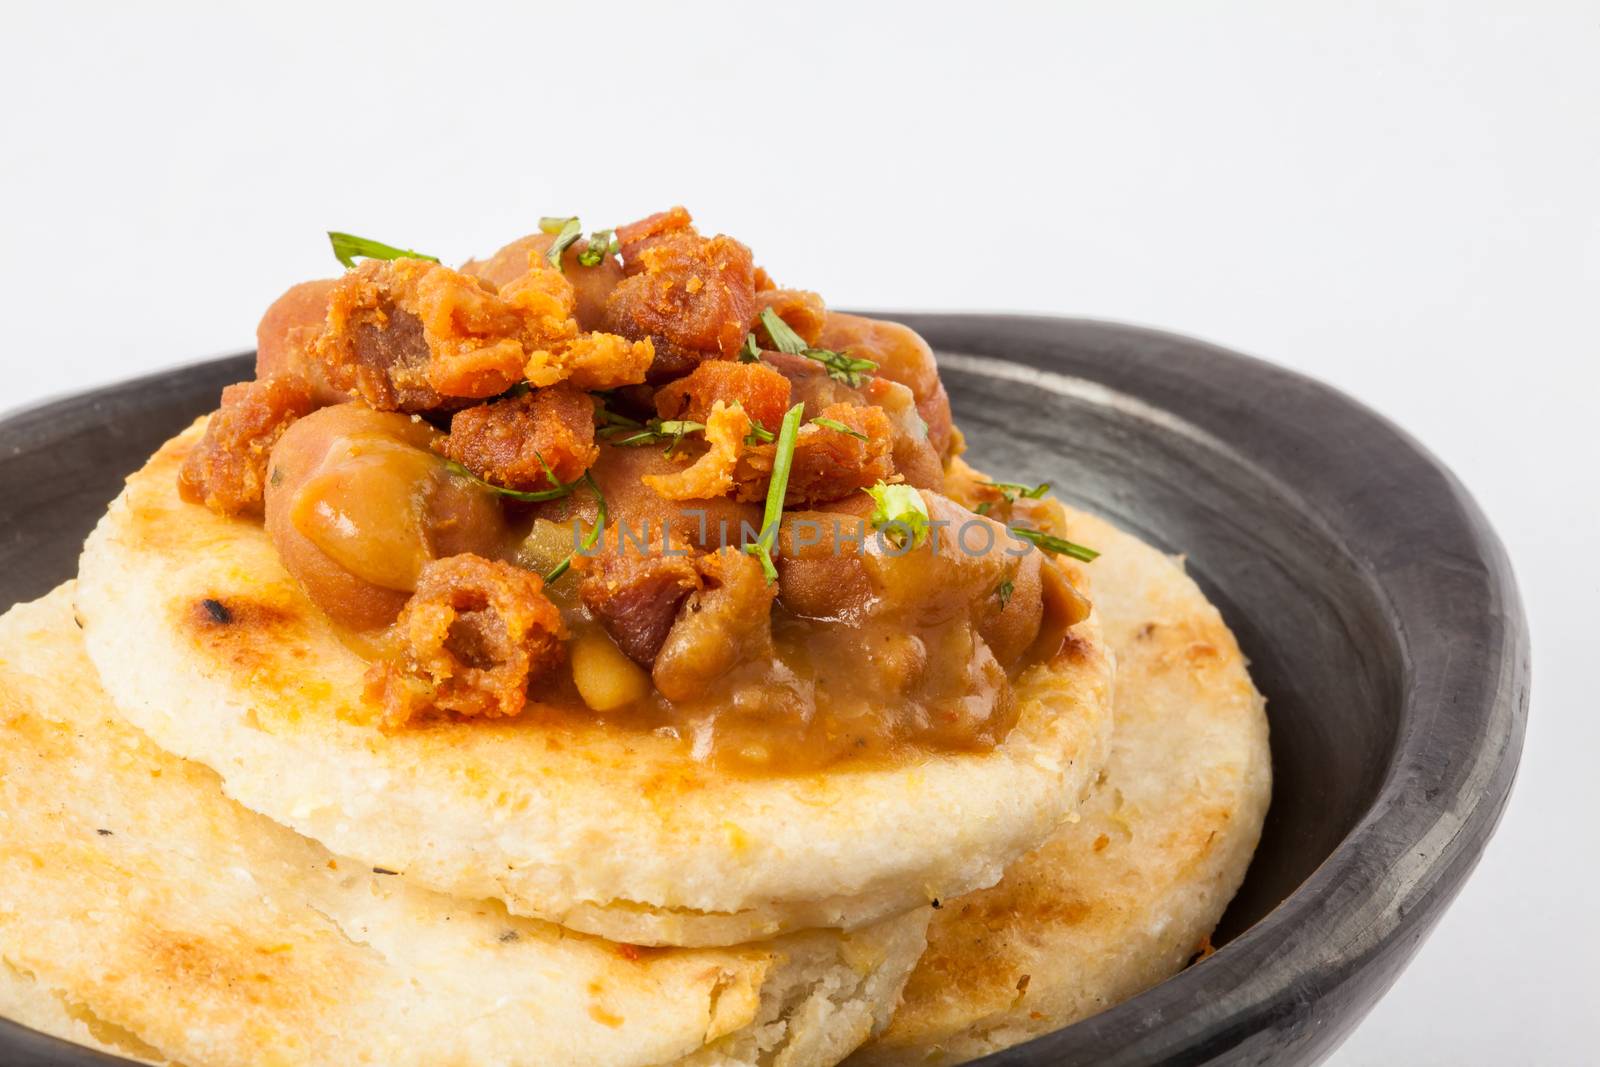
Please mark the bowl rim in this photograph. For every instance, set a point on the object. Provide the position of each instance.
(1286, 986)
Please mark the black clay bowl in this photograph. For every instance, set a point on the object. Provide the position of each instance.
(1376, 606)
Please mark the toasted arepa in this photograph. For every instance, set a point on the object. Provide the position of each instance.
(206, 643)
(1128, 893)
(141, 911)
(27, 1003)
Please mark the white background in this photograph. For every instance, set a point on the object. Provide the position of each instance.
(1398, 198)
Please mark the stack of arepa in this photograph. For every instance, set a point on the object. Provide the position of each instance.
(209, 856)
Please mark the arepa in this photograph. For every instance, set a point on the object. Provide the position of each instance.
(143, 912)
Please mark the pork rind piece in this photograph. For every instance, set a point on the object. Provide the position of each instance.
(593, 361)
(829, 464)
(694, 297)
(227, 469)
(468, 642)
(524, 441)
(760, 390)
(711, 475)
(409, 335)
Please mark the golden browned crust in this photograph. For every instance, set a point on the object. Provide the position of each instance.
(522, 442)
(153, 916)
(760, 390)
(408, 335)
(829, 464)
(693, 296)
(711, 475)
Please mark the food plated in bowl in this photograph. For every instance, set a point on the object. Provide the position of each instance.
(301, 704)
(700, 654)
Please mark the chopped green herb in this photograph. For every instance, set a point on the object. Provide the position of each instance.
(570, 231)
(751, 352)
(983, 508)
(835, 424)
(841, 366)
(900, 512)
(1058, 546)
(601, 244)
(784, 339)
(1012, 490)
(759, 435)
(536, 496)
(652, 432)
(777, 489)
(609, 421)
(556, 223)
(347, 247)
(1003, 591)
(591, 538)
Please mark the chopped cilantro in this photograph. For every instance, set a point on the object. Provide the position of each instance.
(777, 489)
(900, 512)
(347, 247)
(1058, 546)
(591, 538)
(570, 230)
(836, 425)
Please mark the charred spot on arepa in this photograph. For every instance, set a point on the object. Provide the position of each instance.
(246, 632)
(214, 613)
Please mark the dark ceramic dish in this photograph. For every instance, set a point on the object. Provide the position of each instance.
(1375, 604)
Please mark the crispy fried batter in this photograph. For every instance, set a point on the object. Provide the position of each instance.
(828, 464)
(408, 335)
(711, 475)
(593, 361)
(803, 311)
(760, 390)
(636, 596)
(227, 470)
(726, 622)
(469, 641)
(520, 441)
(634, 237)
(693, 296)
